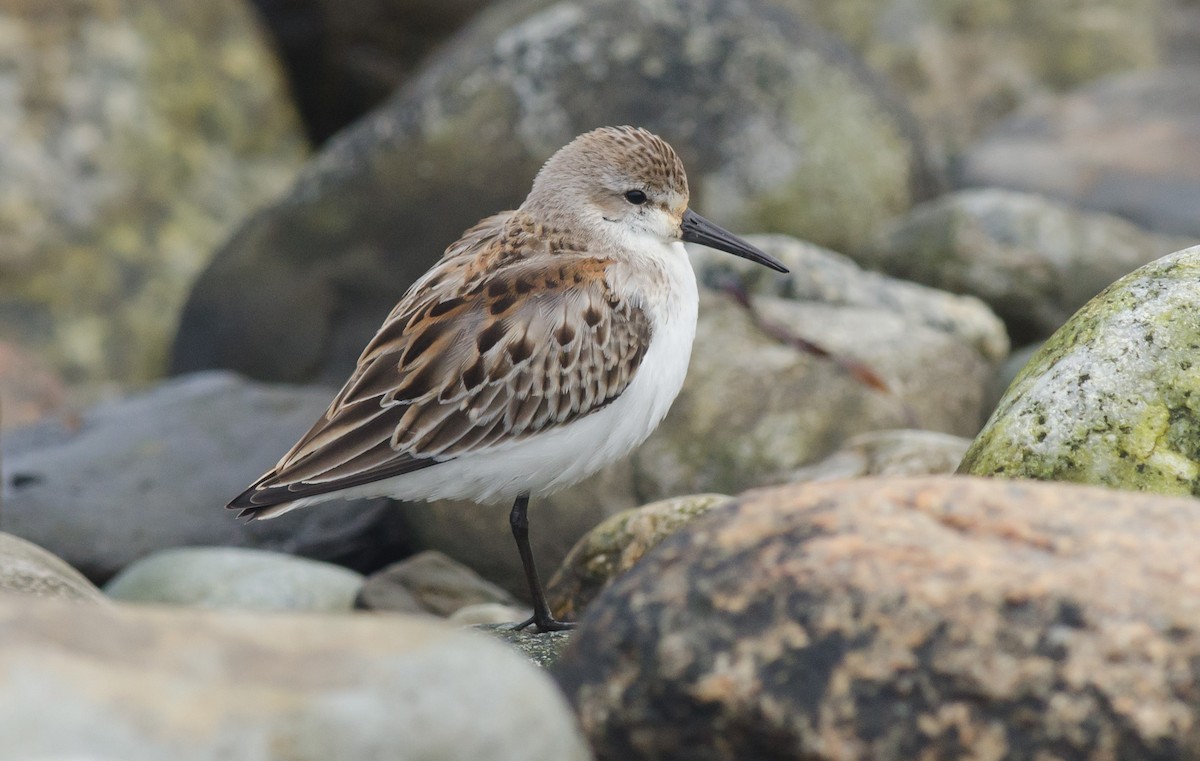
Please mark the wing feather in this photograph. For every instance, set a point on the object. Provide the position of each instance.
(480, 349)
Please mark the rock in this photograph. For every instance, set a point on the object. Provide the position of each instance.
(780, 127)
(1033, 260)
(135, 136)
(1113, 397)
(29, 389)
(892, 619)
(146, 684)
(543, 649)
(154, 470)
(904, 452)
(482, 613)
(438, 584)
(343, 58)
(615, 545)
(754, 409)
(236, 578)
(964, 64)
(28, 569)
(1125, 145)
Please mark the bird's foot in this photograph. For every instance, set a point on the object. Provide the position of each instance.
(546, 623)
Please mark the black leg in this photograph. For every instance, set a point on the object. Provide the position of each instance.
(542, 619)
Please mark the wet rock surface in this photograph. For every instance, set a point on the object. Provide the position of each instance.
(1112, 397)
(899, 619)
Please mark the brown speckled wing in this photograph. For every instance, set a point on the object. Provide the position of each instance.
(490, 344)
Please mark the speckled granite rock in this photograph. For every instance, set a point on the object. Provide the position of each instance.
(543, 649)
(1128, 144)
(236, 578)
(898, 619)
(135, 135)
(142, 683)
(780, 127)
(1113, 397)
(614, 546)
(436, 583)
(1031, 259)
(26, 568)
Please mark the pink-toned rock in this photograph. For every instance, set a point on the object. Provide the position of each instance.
(920, 618)
(29, 389)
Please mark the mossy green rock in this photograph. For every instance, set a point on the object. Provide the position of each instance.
(781, 128)
(1113, 397)
(135, 135)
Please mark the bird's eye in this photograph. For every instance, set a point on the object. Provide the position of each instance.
(635, 197)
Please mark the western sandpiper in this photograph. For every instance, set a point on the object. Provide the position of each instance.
(545, 344)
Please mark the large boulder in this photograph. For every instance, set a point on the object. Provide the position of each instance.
(136, 135)
(781, 128)
(897, 619)
(1032, 259)
(1128, 144)
(146, 684)
(1113, 397)
(154, 470)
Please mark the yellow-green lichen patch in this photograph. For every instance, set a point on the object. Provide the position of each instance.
(1113, 396)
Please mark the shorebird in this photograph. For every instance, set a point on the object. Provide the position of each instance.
(546, 343)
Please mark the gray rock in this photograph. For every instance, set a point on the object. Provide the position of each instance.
(1033, 260)
(28, 569)
(781, 128)
(154, 470)
(438, 584)
(965, 64)
(896, 619)
(235, 577)
(146, 684)
(489, 613)
(904, 452)
(135, 136)
(1111, 398)
(1126, 145)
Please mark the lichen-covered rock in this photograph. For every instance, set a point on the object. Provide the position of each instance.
(236, 578)
(135, 135)
(1113, 397)
(26, 568)
(779, 126)
(142, 683)
(1032, 260)
(615, 545)
(1126, 144)
(899, 619)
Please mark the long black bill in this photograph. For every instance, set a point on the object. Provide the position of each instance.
(697, 229)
